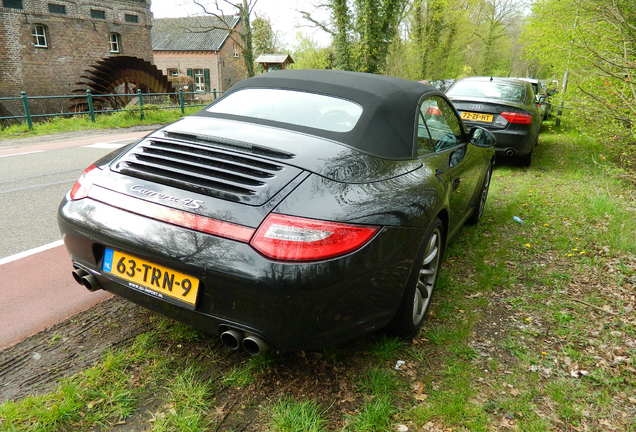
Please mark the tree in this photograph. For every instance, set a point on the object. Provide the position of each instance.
(308, 55)
(243, 9)
(595, 42)
(263, 37)
(362, 31)
(498, 16)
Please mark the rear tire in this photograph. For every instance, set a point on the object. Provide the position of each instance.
(525, 160)
(416, 299)
(479, 203)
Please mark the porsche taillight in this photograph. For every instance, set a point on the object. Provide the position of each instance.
(519, 118)
(291, 238)
(83, 184)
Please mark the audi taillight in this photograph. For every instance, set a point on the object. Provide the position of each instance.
(291, 238)
(519, 118)
(83, 184)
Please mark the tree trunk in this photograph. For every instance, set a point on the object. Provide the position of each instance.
(248, 51)
(341, 19)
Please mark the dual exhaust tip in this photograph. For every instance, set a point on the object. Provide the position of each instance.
(86, 279)
(234, 339)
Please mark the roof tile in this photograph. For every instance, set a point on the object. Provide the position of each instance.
(190, 33)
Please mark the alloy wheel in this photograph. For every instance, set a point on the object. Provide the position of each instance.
(427, 276)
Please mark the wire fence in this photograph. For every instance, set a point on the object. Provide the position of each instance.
(92, 105)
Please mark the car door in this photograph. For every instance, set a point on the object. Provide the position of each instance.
(455, 162)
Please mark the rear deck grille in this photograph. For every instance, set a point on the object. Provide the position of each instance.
(206, 169)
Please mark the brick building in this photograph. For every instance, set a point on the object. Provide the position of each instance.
(203, 48)
(46, 45)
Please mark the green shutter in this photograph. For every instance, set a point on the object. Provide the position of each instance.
(190, 73)
(206, 76)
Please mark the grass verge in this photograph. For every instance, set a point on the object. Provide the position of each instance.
(122, 119)
(532, 328)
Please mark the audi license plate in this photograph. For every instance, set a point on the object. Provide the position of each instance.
(151, 278)
(473, 116)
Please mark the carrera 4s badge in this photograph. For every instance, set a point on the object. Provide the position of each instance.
(186, 202)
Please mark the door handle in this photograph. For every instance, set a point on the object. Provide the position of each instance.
(456, 183)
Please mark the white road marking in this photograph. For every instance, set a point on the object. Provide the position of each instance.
(30, 252)
(21, 154)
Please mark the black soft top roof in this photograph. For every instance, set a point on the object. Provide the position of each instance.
(387, 125)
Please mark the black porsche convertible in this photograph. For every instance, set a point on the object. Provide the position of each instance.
(300, 210)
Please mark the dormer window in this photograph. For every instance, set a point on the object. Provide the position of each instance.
(38, 31)
(115, 43)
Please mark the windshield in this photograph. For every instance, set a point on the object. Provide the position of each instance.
(293, 107)
(508, 91)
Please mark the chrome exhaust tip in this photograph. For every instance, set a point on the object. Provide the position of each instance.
(231, 339)
(254, 345)
(78, 274)
(90, 283)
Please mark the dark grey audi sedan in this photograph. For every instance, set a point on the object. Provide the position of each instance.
(300, 210)
(504, 106)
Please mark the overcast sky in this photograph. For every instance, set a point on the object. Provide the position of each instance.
(283, 15)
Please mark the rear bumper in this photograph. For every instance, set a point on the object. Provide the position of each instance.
(513, 142)
(290, 305)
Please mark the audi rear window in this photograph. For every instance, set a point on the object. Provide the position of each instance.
(507, 91)
(292, 107)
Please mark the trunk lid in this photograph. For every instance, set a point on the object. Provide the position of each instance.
(236, 171)
(488, 106)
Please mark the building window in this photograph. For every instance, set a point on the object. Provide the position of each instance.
(98, 14)
(201, 78)
(13, 4)
(57, 8)
(115, 43)
(39, 36)
(237, 52)
(173, 72)
(131, 18)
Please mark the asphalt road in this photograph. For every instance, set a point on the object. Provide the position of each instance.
(36, 289)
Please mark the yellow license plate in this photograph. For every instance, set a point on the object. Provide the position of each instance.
(486, 118)
(151, 278)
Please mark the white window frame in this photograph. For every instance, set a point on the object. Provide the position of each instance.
(115, 43)
(199, 79)
(39, 31)
(237, 52)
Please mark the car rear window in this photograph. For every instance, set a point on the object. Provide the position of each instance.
(293, 107)
(507, 91)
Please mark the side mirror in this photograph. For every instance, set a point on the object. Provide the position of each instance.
(482, 137)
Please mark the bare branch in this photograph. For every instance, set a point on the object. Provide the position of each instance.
(315, 23)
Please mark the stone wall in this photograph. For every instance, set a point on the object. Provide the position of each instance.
(75, 42)
(233, 68)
